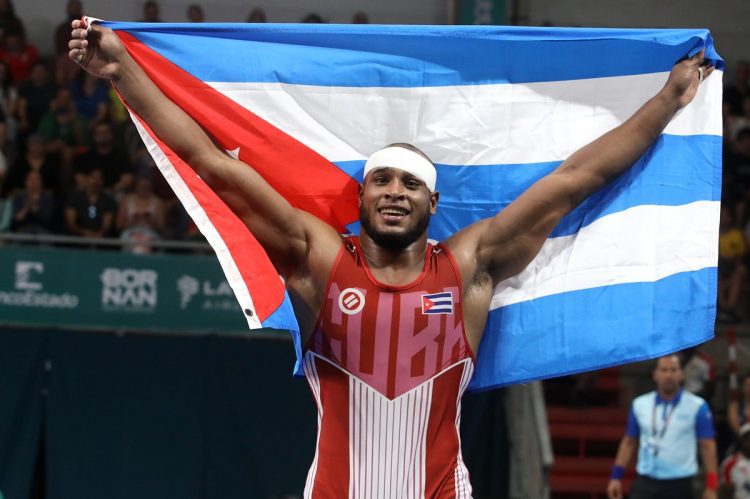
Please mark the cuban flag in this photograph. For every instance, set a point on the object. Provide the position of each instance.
(438, 303)
(629, 275)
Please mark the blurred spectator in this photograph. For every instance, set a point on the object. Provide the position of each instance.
(6, 204)
(34, 207)
(8, 18)
(151, 12)
(141, 217)
(732, 271)
(104, 155)
(62, 127)
(700, 372)
(65, 69)
(737, 123)
(91, 98)
(312, 17)
(8, 103)
(360, 18)
(257, 15)
(739, 410)
(73, 11)
(195, 13)
(739, 88)
(35, 97)
(737, 160)
(91, 212)
(35, 159)
(19, 54)
(735, 470)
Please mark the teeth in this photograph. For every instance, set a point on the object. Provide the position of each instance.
(392, 211)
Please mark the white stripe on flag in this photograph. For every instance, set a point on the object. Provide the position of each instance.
(641, 244)
(196, 212)
(468, 125)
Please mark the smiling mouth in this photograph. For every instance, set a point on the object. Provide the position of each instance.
(393, 211)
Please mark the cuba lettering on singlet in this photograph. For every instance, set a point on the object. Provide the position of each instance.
(387, 366)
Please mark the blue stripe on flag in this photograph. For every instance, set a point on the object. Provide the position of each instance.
(677, 170)
(655, 318)
(413, 56)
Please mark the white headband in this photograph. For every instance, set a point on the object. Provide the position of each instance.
(406, 160)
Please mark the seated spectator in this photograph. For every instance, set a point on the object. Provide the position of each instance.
(18, 53)
(103, 154)
(91, 98)
(6, 203)
(735, 470)
(739, 410)
(732, 271)
(91, 212)
(34, 98)
(35, 159)
(737, 160)
(73, 11)
(700, 372)
(8, 103)
(735, 91)
(257, 15)
(195, 13)
(9, 21)
(141, 217)
(62, 127)
(313, 17)
(33, 208)
(151, 12)
(360, 18)
(66, 70)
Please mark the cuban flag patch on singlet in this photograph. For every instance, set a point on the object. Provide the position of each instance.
(438, 303)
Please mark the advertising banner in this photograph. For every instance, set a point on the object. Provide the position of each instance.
(112, 290)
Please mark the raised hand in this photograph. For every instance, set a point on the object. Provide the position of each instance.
(685, 78)
(97, 50)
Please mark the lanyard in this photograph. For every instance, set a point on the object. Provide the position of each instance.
(668, 410)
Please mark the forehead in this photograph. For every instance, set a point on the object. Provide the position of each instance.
(670, 362)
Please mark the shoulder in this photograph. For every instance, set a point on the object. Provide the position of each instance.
(693, 400)
(645, 399)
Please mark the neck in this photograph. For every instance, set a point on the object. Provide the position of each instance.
(667, 395)
(394, 267)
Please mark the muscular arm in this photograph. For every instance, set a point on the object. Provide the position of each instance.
(503, 245)
(284, 231)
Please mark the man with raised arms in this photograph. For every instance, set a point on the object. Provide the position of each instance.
(390, 322)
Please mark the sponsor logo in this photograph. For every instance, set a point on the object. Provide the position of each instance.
(129, 289)
(29, 290)
(351, 301)
(26, 272)
(209, 295)
(438, 303)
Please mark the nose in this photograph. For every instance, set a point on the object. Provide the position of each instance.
(396, 190)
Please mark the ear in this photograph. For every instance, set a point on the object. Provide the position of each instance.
(360, 193)
(434, 196)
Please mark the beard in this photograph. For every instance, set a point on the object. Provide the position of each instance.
(394, 241)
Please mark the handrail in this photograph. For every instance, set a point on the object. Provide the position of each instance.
(100, 241)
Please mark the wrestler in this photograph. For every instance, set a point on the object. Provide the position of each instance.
(389, 321)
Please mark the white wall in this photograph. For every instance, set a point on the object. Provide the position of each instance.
(728, 20)
(42, 16)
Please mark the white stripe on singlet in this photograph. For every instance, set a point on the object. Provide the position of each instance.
(463, 485)
(388, 438)
(312, 378)
(388, 441)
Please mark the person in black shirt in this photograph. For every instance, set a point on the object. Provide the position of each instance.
(91, 212)
(103, 154)
(35, 97)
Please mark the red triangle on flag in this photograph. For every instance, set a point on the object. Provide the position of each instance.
(427, 304)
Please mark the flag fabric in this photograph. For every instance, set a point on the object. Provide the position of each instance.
(628, 275)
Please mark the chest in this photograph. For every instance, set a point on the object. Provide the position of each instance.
(393, 340)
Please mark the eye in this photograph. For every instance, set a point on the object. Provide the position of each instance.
(381, 179)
